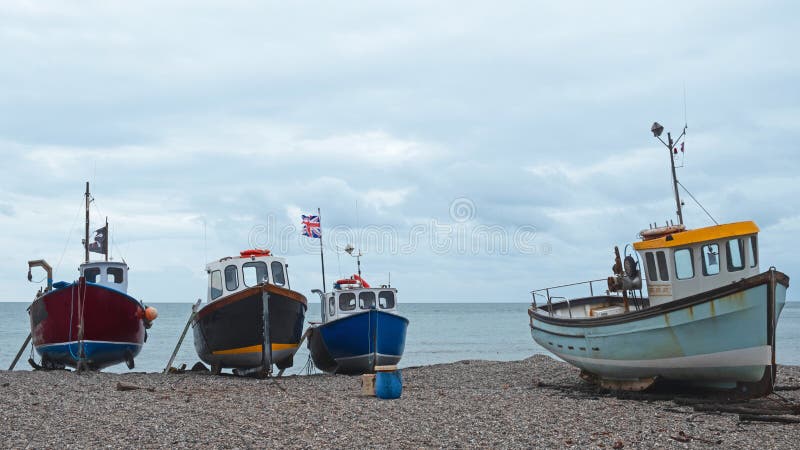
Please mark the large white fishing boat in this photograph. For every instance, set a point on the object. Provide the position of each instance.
(708, 319)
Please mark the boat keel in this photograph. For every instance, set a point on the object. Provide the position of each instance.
(634, 385)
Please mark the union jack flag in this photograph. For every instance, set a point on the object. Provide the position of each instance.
(311, 227)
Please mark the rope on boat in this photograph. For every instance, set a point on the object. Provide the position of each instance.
(309, 368)
(66, 244)
(71, 309)
(698, 203)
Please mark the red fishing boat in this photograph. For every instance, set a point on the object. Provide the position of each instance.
(90, 323)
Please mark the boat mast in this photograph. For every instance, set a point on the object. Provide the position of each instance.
(657, 129)
(107, 237)
(321, 256)
(350, 249)
(86, 235)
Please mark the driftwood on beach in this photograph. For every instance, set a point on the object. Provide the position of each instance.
(538, 402)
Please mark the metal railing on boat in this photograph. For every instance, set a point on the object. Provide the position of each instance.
(545, 293)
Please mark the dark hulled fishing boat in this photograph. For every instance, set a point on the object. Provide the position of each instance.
(252, 318)
(91, 323)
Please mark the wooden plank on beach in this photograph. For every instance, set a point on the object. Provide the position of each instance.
(778, 419)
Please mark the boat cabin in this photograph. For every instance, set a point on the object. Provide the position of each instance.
(110, 274)
(249, 269)
(345, 302)
(681, 264)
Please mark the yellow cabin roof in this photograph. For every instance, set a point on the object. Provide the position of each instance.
(688, 237)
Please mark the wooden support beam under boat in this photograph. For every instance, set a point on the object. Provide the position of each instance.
(19, 353)
(183, 335)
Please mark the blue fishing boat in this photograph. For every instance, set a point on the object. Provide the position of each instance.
(360, 328)
(708, 319)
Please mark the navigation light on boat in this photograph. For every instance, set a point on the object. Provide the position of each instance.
(657, 129)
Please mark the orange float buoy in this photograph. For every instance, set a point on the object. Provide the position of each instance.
(150, 313)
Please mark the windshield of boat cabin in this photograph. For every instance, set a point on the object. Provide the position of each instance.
(347, 301)
(91, 274)
(255, 272)
(386, 299)
(366, 300)
(278, 277)
(115, 275)
(231, 278)
(216, 284)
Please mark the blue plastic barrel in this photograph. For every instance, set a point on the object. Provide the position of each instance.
(388, 385)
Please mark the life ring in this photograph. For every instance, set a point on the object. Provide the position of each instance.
(254, 252)
(363, 281)
(655, 233)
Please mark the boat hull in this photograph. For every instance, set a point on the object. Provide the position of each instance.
(724, 338)
(112, 322)
(357, 343)
(229, 333)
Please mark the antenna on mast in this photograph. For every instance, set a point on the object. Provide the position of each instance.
(685, 120)
(657, 129)
(86, 234)
(349, 249)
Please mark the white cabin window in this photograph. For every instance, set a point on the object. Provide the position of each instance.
(753, 251)
(91, 274)
(231, 278)
(735, 249)
(216, 284)
(684, 265)
(331, 306)
(254, 273)
(652, 273)
(115, 275)
(663, 271)
(386, 299)
(347, 301)
(277, 273)
(710, 254)
(366, 300)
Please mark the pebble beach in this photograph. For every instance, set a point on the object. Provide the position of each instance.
(537, 402)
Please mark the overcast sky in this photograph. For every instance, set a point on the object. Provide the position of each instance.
(207, 128)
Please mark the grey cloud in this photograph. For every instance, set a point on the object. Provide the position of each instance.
(232, 116)
(6, 210)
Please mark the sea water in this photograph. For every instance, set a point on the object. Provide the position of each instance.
(437, 333)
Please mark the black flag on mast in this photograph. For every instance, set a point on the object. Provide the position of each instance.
(100, 244)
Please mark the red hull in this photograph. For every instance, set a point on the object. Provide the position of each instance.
(110, 317)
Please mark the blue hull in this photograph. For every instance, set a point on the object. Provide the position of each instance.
(101, 354)
(356, 344)
(717, 340)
